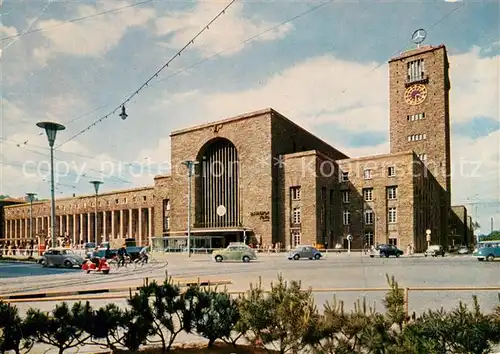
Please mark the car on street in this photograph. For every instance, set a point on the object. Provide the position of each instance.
(386, 251)
(463, 250)
(308, 252)
(489, 250)
(234, 252)
(60, 256)
(434, 251)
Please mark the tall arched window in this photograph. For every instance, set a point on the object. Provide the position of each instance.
(218, 187)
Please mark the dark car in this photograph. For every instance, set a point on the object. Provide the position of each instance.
(386, 251)
(434, 251)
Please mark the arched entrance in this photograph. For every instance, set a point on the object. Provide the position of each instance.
(217, 185)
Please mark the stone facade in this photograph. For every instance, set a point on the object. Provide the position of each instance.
(260, 177)
(459, 226)
(122, 214)
(423, 126)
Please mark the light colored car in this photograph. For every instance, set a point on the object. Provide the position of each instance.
(308, 252)
(463, 250)
(235, 252)
(60, 257)
(434, 251)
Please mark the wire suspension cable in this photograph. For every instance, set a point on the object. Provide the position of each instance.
(155, 75)
(75, 20)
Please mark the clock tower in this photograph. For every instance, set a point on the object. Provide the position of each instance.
(419, 87)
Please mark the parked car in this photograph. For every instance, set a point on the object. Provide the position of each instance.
(434, 251)
(463, 250)
(489, 250)
(60, 257)
(235, 252)
(308, 252)
(386, 251)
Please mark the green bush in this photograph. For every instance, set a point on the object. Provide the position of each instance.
(284, 317)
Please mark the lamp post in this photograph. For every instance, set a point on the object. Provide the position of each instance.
(96, 189)
(31, 198)
(51, 129)
(190, 165)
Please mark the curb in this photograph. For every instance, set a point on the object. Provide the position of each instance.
(28, 296)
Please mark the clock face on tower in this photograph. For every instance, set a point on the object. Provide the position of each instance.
(415, 94)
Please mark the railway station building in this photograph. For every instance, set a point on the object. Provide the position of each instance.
(261, 178)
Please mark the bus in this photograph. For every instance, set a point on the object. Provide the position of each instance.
(488, 250)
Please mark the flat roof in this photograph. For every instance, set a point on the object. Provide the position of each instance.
(380, 156)
(417, 51)
(121, 191)
(222, 121)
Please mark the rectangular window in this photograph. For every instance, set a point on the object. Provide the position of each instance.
(331, 197)
(393, 241)
(322, 216)
(145, 198)
(346, 196)
(296, 237)
(416, 70)
(368, 217)
(369, 238)
(368, 194)
(295, 191)
(391, 171)
(346, 217)
(414, 117)
(323, 193)
(345, 176)
(368, 174)
(392, 215)
(166, 225)
(296, 215)
(391, 193)
(124, 200)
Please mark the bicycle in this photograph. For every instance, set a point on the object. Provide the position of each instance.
(141, 261)
(116, 262)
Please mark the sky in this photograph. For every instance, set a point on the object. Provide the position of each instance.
(321, 64)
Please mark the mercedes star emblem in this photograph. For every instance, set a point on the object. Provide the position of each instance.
(419, 36)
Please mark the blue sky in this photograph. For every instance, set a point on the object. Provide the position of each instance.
(326, 70)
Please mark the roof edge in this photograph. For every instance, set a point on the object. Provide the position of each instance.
(222, 121)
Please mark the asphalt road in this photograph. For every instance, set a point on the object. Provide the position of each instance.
(335, 271)
(18, 269)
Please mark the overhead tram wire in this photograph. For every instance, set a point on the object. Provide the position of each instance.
(397, 52)
(245, 41)
(76, 20)
(155, 75)
(250, 39)
(25, 145)
(110, 178)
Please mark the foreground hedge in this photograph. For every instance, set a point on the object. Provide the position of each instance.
(284, 318)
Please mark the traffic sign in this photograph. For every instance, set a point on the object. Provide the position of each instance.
(349, 237)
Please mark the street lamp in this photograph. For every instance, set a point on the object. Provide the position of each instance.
(96, 189)
(190, 165)
(31, 198)
(51, 129)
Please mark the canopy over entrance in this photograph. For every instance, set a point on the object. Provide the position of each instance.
(202, 239)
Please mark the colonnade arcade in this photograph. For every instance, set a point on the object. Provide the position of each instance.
(80, 228)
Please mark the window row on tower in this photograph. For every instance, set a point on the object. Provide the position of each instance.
(417, 137)
(413, 117)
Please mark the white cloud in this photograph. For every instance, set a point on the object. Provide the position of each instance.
(93, 37)
(7, 31)
(474, 86)
(312, 93)
(226, 34)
